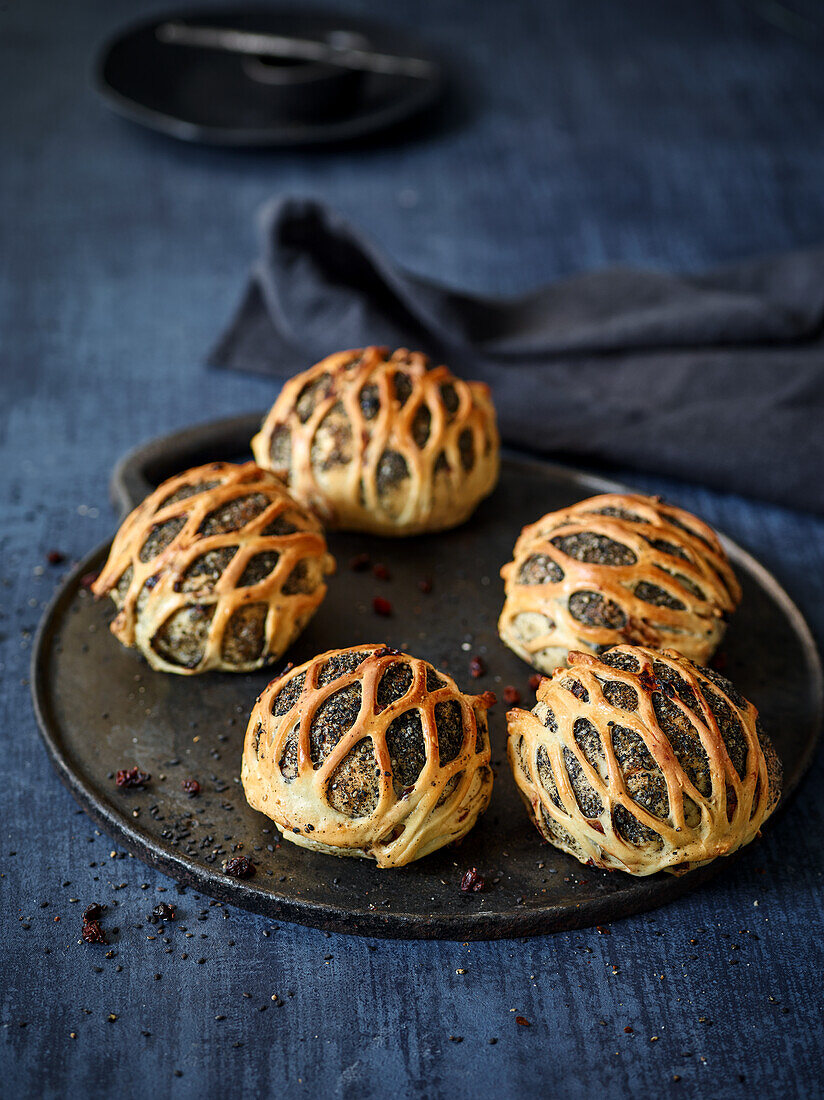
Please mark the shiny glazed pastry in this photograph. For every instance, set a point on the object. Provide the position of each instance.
(643, 761)
(616, 568)
(368, 752)
(218, 568)
(383, 443)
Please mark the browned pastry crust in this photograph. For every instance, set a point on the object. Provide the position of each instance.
(380, 443)
(368, 752)
(616, 568)
(218, 568)
(643, 761)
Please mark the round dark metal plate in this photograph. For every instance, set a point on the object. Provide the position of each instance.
(101, 708)
(207, 96)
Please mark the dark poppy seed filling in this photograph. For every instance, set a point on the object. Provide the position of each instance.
(312, 393)
(186, 491)
(407, 750)
(547, 777)
(258, 567)
(576, 687)
(594, 549)
(369, 401)
(586, 797)
(591, 609)
(675, 685)
(299, 580)
(669, 548)
(618, 513)
(280, 451)
(623, 661)
(245, 634)
(161, 536)
(288, 695)
(333, 718)
(466, 449)
(403, 387)
(588, 741)
(421, 425)
(205, 571)
(339, 665)
(234, 515)
(730, 729)
(620, 694)
(685, 742)
(392, 469)
(449, 724)
(283, 524)
(354, 786)
(540, 569)
(332, 444)
(685, 582)
(657, 596)
(394, 684)
(632, 830)
(450, 399)
(182, 638)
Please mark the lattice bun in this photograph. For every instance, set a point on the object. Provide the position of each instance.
(643, 761)
(380, 443)
(616, 568)
(218, 568)
(368, 752)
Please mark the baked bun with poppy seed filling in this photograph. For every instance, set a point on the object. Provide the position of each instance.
(368, 752)
(616, 568)
(383, 443)
(219, 568)
(642, 761)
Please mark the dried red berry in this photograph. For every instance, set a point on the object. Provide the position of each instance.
(535, 680)
(164, 911)
(629, 1030)
(511, 695)
(425, 585)
(54, 557)
(88, 579)
(359, 563)
(92, 932)
(132, 777)
(472, 883)
(92, 912)
(239, 867)
(476, 668)
(381, 606)
(381, 572)
(191, 787)
(522, 1020)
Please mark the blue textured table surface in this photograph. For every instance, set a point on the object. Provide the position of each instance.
(669, 135)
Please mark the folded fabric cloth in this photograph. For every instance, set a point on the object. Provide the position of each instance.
(717, 378)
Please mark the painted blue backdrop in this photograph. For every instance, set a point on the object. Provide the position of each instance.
(673, 135)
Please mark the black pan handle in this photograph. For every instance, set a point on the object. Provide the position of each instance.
(140, 471)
